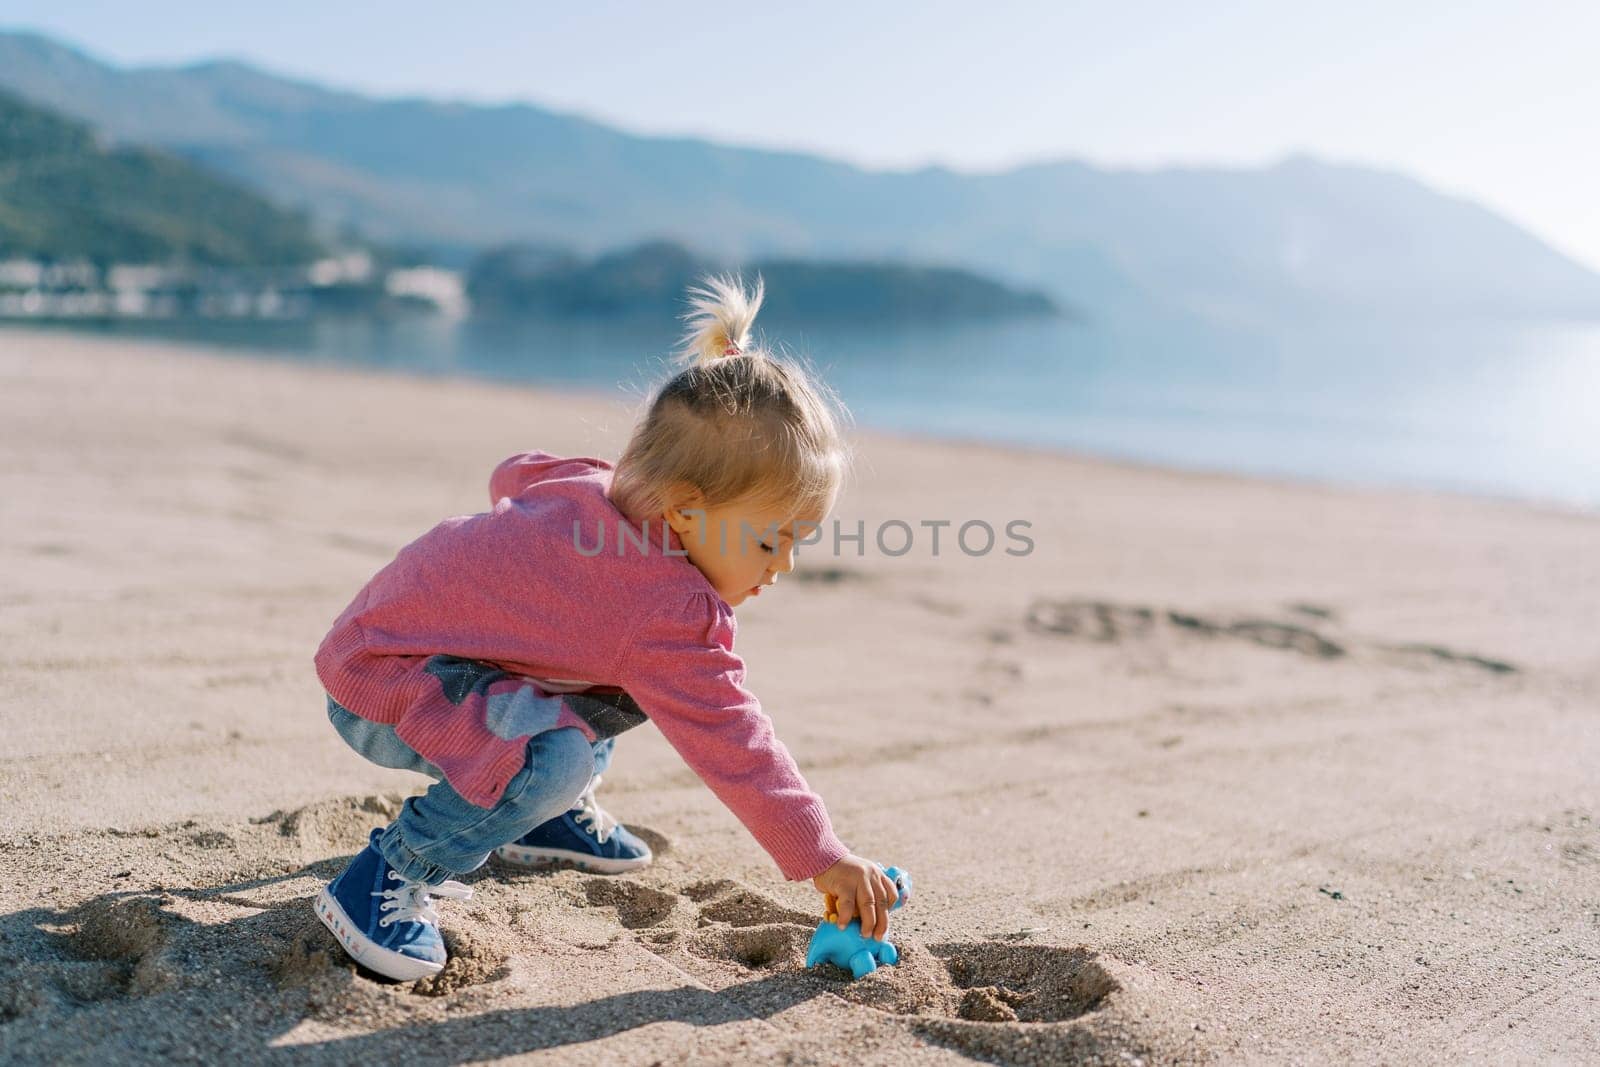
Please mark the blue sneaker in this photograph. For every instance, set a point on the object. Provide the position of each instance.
(385, 922)
(586, 837)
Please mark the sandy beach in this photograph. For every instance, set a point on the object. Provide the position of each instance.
(1223, 770)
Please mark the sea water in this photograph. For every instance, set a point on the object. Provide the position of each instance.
(1487, 407)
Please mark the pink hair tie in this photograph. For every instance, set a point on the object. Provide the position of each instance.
(731, 350)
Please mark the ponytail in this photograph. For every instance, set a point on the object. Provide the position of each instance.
(719, 319)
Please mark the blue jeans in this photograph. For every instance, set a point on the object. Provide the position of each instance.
(441, 834)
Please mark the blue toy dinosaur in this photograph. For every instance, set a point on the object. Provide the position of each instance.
(847, 948)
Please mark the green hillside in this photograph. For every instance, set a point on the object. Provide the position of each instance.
(650, 279)
(65, 196)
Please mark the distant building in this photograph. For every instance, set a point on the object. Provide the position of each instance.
(349, 268)
(348, 283)
(446, 290)
(21, 274)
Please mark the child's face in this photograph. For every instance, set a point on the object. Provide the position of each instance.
(740, 547)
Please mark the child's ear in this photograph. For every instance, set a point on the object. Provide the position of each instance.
(685, 508)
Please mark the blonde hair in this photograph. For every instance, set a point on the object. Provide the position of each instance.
(737, 422)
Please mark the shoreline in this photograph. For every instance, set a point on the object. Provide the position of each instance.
(598, 393)
(1228, 770)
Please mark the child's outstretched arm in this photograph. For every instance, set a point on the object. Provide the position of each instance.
(681, 668)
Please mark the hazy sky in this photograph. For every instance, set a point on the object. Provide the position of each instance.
(1495, 101)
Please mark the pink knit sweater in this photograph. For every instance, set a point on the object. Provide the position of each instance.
(510, 587)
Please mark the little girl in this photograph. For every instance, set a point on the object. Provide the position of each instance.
(500, 653)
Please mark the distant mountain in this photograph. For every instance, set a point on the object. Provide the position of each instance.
(650, 279)
(1302, 237)
(64, 196)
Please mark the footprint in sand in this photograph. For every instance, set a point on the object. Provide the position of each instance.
(1280, 635)
(1093, 620)
(131, 932)
(719, 920)
(960, 990)
(738, 925)
(334, 826)
(112, 947)
(968, 996)
(1025, 983)
(637, 906)
(759, 948)
(1098, 620)
(1105, 622)
(1028, 1004)
(724, 901)
(826, 575)
(1437, 654)
(986, 999)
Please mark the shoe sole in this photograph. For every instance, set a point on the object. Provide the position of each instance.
(522, 856)
(367, 952)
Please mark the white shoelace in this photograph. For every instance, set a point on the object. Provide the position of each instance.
(413, 901)
(589, 811)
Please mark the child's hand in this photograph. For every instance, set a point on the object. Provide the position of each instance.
(861, 890)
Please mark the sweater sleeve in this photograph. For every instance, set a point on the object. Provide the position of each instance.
(681, 669)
